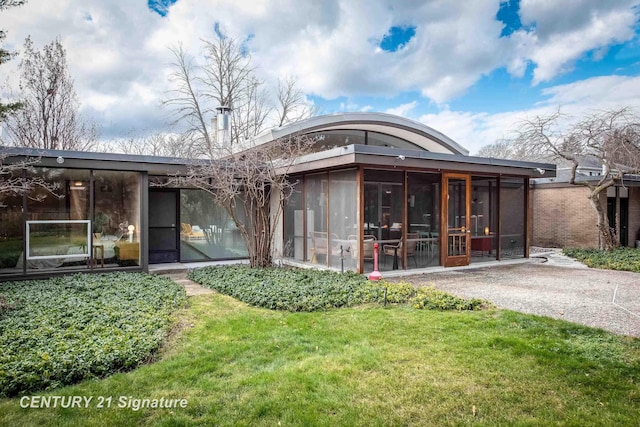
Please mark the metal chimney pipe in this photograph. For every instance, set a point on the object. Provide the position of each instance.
(224, 127)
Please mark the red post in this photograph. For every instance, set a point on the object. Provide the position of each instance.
(375, 274)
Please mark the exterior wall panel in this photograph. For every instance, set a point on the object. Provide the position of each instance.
(563, 217)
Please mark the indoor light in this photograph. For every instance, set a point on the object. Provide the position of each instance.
(131, 229)
(486, 231)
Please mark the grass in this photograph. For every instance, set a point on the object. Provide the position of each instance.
(241, 365)
(624, 259)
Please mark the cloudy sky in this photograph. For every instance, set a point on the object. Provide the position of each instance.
(470, 69)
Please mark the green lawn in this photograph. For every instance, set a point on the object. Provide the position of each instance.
(240, 365)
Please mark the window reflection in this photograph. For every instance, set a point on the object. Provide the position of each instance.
(207, 232)
(116, 220)
(58, 232)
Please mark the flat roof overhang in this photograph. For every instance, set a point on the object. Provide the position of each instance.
(106, 161)
(340, 157)
(390, 158)
(629, 181)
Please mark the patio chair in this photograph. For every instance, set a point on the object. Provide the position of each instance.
(320, 245)
(396, 249)
(367, 247)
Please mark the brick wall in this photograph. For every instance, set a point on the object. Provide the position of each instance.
(634, 214)
(563, 217)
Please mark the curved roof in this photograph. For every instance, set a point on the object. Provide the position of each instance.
(417, 133)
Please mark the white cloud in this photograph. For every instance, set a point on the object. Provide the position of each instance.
(118, 56)
(565, 31)
(403, 110)
(474, 130)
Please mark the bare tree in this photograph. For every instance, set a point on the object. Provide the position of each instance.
(158, 144)
(227, 78)
(612, 137)
(243, 183)
(5, 56)
(19, 177)
(186, 101)
(48, 117)
(514, 150)
(291, 102)
(502, 149)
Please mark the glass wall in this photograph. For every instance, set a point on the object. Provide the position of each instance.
(512, 217)
(384, 216)
(116, 218)
(207, 232)
(11, 250)
(62, 231)
(484, 218)
(423, 210)
(316, 217)
(384, 140)
(326, 140)
(294, 224)
(343, 219)
(58, 234)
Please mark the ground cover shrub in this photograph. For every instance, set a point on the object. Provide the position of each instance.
(66, 329)
(283, 288)
(624, 259)
(434, 299)
(295, 289)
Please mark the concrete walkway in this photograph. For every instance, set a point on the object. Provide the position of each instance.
(555, 257)
(192, 288)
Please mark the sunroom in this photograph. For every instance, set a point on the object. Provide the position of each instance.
(400, 186)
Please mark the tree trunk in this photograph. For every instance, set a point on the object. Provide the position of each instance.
(259, 239)
(618, 228)
(606, 242)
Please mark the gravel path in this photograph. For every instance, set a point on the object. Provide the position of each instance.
(598, 298)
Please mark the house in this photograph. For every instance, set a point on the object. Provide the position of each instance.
(574, 219)
(372, 179)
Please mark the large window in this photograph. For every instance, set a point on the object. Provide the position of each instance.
(512, 218)
(116, 218)
(383, 217)
(326, 140)
(207, 231)
(423, 210)
(343, 219)
(58, 225)
(63, 231)
(336, 138)
(316, 187)
(384, 140)
(331, 229)
(484, 218)
(294, 224)
(11, 248)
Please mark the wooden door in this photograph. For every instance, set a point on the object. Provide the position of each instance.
(456, 206)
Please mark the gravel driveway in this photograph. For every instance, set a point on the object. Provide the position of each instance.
(599, 298)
